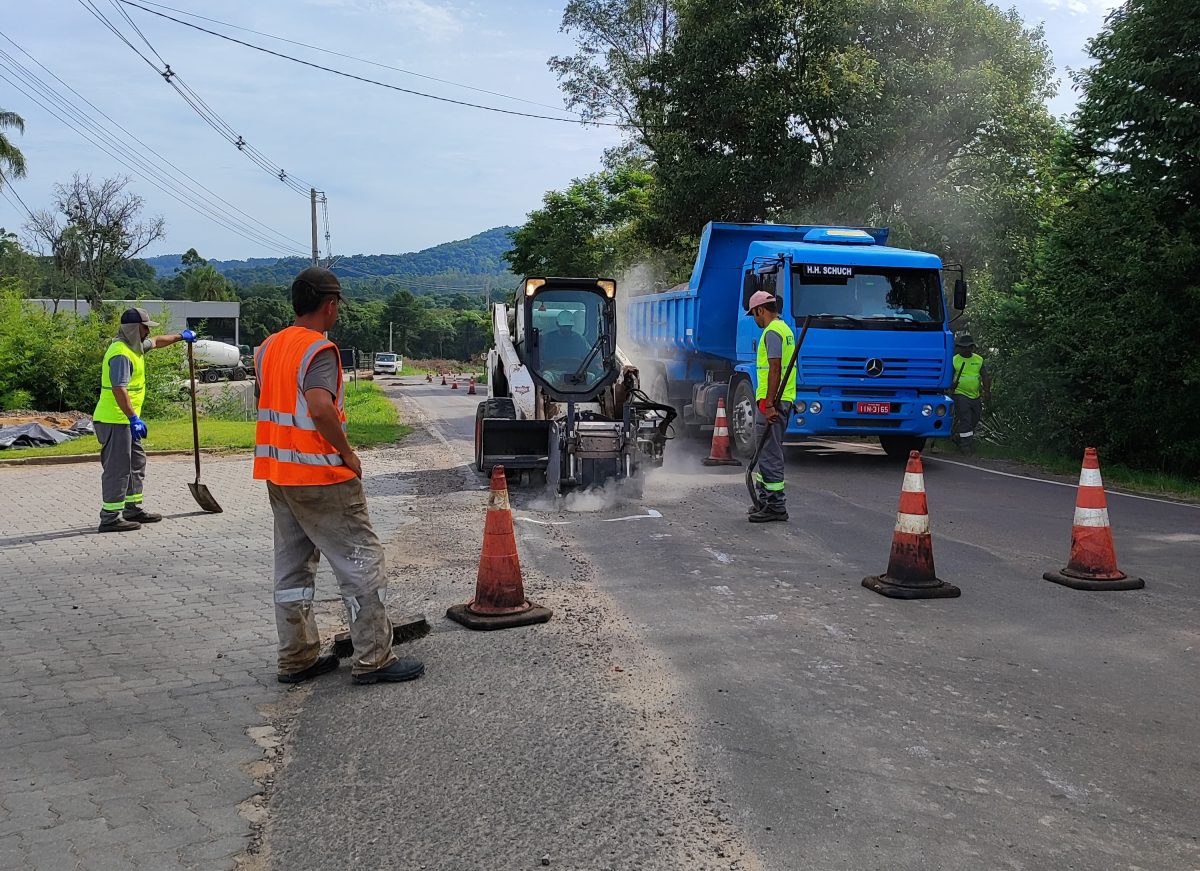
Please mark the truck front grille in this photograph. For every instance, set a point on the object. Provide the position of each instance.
(822, 369)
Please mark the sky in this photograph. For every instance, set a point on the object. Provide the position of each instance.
(400, 172)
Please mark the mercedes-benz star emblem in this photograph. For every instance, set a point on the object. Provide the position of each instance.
(874, 367)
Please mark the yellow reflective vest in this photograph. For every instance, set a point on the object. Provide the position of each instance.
(968, 375)
(107, 410)
(764, 364)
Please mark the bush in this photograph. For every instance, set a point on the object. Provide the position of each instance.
(54, 359)
(16, 400)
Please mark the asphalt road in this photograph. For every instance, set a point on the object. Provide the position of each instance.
(1024, 725)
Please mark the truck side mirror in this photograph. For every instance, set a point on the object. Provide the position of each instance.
(960, 294)
(749, 285)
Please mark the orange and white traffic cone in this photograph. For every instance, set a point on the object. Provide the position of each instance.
(471, 387)
(499, 601)
(428, 378)
(720, 454)
(910, 573)
(443, 379)
(1093, 561)
(454, 384)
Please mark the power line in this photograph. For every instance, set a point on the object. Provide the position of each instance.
(286, 241)
(194, 100)
(5, 191)
(365, 80)
(353, 57)
(77, 120)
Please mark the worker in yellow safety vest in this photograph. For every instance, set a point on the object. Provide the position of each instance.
(775, 345)
(970, 389)
(118, 423)
(314, 483)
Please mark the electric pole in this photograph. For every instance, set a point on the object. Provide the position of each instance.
(312, 196)
(389, 337)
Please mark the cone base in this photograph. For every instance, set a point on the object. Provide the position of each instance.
(716, 461)
(464, 615)
(1075, 583)
(893, 589)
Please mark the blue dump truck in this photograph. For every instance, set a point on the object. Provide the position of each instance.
(875, 362)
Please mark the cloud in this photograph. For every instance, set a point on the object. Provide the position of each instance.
(1082, 7)
(430, 19)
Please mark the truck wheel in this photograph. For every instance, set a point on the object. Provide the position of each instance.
(897, 447)
(210, 376)
(479, 436)
(239, 374)
(740, 414)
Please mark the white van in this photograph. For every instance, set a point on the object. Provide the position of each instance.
(387, 363)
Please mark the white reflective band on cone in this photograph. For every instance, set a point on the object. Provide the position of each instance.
(914, 524)
(1091, 517)
(913, 482)
(967, 435)
(295, 594)
(1090, 478)
(498, 501)
(721, 430)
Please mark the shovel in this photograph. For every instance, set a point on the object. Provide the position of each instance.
(767, 430)
(199, 491)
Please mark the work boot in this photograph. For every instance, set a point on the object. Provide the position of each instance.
(768, 514)
(141, 515)
(323, 665)
(401, 669)
(118, 524)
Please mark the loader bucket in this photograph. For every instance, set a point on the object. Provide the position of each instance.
(514, 444)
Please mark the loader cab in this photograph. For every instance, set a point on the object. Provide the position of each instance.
(568, 335)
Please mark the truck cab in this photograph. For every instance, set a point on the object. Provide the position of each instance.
(876, 360)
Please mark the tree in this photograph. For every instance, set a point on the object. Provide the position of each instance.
(102, 222)
(262, 316)
(200, 279)
(12, 161)
(1097, 345)
(584, 230)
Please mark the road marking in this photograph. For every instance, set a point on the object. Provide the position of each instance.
(927, 458)
(651, 514)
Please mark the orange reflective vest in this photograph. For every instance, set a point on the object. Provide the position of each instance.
(288, 449)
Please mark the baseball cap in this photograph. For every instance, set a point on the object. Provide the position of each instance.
(137, 316)
(320, 279)
(760, 297)
(964, 340)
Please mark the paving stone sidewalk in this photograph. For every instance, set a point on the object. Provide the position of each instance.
(131, 665)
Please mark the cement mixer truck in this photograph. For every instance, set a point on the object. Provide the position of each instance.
(217, 361)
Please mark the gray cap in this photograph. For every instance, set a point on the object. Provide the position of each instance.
(964, 340)
(137, 316)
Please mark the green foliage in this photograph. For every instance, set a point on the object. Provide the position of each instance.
(262, 316)
(16, 400)
(55, 359)
(1097, 345)
(587, 229)
(12, 161)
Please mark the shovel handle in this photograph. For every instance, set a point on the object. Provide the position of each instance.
(195, 424)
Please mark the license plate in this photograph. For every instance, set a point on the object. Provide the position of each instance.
(874, 408)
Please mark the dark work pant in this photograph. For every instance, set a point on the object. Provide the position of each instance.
(123, 469)
(768, 477)
(967, 413)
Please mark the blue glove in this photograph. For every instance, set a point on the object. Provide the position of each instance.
(188, 336)
(137, 426)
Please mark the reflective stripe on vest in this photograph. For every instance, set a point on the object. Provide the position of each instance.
(968, 375)
(289, 449)
(764, 363)
(107, 410)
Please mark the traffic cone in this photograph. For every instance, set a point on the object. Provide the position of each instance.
(428, 378)
(910, 573)
(499, 601)
(471, 387)
(1093, 561)
(719, 454)
(454, 385)
(443, 379)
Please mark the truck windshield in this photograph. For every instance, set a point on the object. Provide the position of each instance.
(570, 351)
(385, 358)
(888, 298)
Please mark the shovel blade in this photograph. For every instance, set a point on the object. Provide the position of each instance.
(203, 498)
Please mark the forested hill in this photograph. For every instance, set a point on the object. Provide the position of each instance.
(477, 260)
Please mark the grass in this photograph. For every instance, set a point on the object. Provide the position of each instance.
(1115, 474)
(371, 416)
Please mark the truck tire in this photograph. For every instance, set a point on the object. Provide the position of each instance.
(897, 447)
(210, 376)
(740, 415)
(239, 374)
(501, 407)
